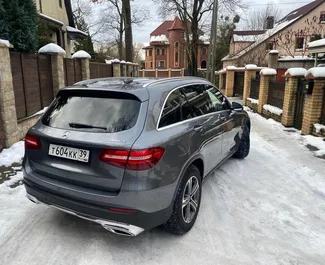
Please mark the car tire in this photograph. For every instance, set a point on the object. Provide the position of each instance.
(244, 146)
(189, 193)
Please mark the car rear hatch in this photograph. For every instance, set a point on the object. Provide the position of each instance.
(77, 128)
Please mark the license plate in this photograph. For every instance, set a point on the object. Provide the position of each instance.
(69, 153)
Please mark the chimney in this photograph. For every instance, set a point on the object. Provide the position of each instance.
(269, 23)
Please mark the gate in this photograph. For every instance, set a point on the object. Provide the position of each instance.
(276, 94)
(255, 89)
(239, 84)
(299, 108)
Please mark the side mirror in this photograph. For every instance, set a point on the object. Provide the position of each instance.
(237, 107)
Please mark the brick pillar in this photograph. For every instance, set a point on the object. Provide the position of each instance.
(57, 59)
(267, 74)
(84, 58)
(250, 72)
(156, 73)
(230, 82)
(8, 118)
(273, 59)
(313, 103)
(290, 90)
(123, 68)
(116, 68)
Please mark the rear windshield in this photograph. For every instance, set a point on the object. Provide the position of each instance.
(105, 112)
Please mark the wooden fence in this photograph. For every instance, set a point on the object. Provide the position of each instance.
(72, 71)
(276, 94)
(32, 81)
(255, 88)
(100, 70)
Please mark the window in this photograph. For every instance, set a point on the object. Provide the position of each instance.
(60, 3)
(72, 109)
(219, 101)
(163, 51)
(176, 57)
(151, 64)
(160, 63)
(150, 52)
(158, 51)
(300, 41)
(171, 113)
(176, 45)
(269, 46)
(199, 101)
(204, 51)
(322, 18)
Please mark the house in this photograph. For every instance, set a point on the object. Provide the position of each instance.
(290, 36)
(60, 28)
(167, 50)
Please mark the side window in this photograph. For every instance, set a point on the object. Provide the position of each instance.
(218, 100)
(198, 100)
(172, 110)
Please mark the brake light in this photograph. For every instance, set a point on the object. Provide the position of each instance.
(134, 159)
(31, 142)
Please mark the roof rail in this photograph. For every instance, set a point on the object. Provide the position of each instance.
(165, 80)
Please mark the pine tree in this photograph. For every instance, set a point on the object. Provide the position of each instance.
(20, 19)
(3, 22)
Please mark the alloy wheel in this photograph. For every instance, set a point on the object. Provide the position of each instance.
(191, 198)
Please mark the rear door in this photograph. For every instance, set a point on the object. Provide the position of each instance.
(206, 126)
(76, 129)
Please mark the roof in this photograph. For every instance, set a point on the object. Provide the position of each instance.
(248, 32)
(53, 20)
(77, 32)
(285, 22)
(175, 24)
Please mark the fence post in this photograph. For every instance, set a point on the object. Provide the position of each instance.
(313, 102)
(183, 72)
(8, 117)
(123, 68)
(250, 72)
(116, 68)
(230, 81)
(221, 77)
(267, 74)
(84, 58)
(156, 73)
(57, 55)
(289, 102)
(169, 72)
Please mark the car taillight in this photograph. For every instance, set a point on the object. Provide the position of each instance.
(134, 159)
(31, 142)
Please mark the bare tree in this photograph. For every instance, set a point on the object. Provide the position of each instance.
(257, 17)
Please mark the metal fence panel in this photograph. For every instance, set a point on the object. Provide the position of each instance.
(255, 88)
(276, 94)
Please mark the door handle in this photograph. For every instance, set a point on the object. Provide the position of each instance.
(198, 128)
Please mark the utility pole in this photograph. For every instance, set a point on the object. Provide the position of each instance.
(213, 43)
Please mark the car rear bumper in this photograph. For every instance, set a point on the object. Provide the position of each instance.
(129, 224)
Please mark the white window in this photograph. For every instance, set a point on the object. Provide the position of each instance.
(160, 63)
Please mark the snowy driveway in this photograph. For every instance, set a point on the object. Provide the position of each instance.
(266, 209)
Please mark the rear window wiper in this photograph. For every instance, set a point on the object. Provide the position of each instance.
(85, 126)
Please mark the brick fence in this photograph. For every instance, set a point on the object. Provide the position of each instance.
(29, 83)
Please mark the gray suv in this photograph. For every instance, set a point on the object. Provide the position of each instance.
(131, 154)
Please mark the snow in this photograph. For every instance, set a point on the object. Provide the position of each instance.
(129, 63)
(316, 43)
(296, 72)
(266, 209)
(5, 42)
(317, 142)
(246, 38)
(116, 61)
(123, 61)
(316, 72)
(52, 48)
(274, 52)
(251, 67)
(81, 55)
(273, 109)
(296, 58)
(319, 127)
(253, 100)
(12, 155)
(268, 71)
(224, 70)
(74, 30)
(159, 38)
(205, 39)
(231, 67)
(14, 179)
(52, 19)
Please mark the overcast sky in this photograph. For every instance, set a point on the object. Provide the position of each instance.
(141, 34)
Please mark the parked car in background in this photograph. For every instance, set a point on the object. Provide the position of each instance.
(131, 154)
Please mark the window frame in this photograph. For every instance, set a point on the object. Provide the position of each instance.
(269, 43)
(150, 53)
(204, 51)
(322, 15)
(158, 51)
(160, 61)
(303, 42)
(162, 51)
(194, 118)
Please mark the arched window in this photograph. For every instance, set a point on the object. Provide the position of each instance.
(204, 64)
(176, 45)
(158, 51)
(176, 53)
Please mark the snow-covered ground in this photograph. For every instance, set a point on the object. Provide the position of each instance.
(267, 209)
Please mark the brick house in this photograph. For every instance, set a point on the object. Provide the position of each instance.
(290, 36)
(167, 50)
(58, 16)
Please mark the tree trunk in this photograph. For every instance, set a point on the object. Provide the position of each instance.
(128, 30)
(194, 47)
(120, 40)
